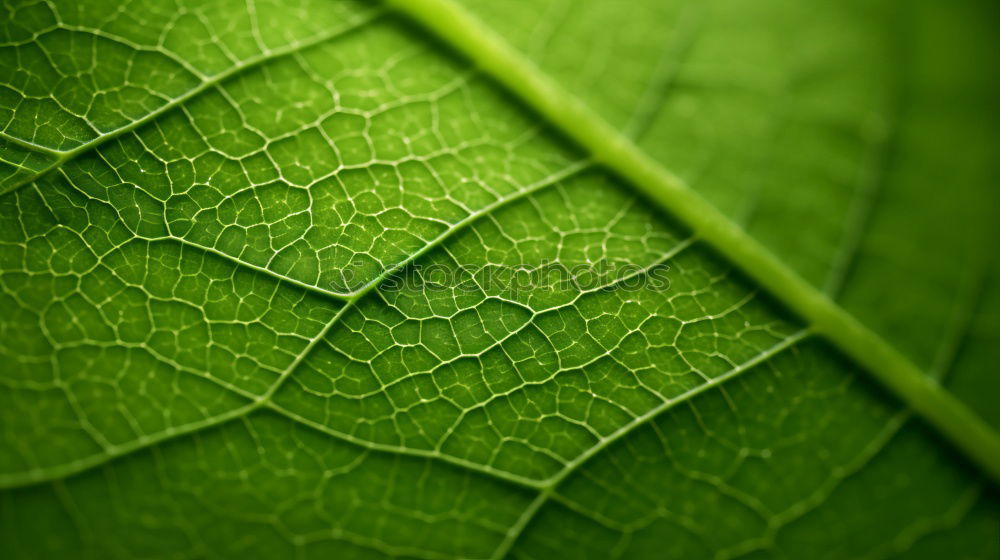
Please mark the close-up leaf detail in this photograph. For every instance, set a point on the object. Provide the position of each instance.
(261, 279)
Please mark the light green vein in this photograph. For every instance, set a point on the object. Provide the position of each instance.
(652, 413)
(34, 476)
(465, 33)
(61, 157)
(549, 489)
(43, 474)
(550, 486)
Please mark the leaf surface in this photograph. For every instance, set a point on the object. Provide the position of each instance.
(258, 297)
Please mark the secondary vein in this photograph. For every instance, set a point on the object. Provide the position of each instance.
(265, 401)
(61, 157)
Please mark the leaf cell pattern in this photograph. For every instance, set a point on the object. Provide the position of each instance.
(257, 301)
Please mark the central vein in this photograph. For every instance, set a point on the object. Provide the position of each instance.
(609, 147)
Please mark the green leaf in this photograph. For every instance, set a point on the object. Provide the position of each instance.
(291, 281)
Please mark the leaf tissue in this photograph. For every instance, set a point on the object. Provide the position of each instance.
(499, 279)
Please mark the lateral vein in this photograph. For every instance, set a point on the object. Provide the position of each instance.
(61, 157)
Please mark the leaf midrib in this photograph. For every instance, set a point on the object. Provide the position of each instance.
(610, 147)
(618, 153)
(470, 37)
(648, 175)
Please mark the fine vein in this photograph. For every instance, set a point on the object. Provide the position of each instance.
(33, 476)
(61, 157)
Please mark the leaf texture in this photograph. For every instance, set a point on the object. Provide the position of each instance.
(253, 261)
